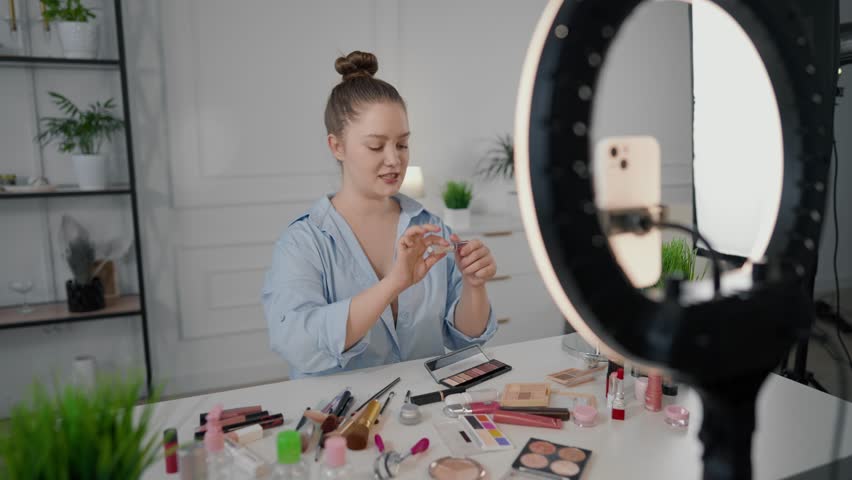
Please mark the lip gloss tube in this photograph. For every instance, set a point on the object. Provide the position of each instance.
(526, 420)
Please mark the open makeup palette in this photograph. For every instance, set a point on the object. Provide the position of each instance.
(545, 459)
(465, 368)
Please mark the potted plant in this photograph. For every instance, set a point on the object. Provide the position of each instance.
(678, 262)
(78, 36)
(85, 291)
(78, 432)
(82, 134)
(457, 196)
(499, 161)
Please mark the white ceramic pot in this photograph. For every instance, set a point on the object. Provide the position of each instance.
(457, 218)
(91, 171)
(79, 39)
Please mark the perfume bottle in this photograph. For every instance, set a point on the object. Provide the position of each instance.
(220, 464)
(290, 465)
(335, 466)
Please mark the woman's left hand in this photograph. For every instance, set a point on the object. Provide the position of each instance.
(475, 262)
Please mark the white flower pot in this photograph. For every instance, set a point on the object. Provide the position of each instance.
(457, 218)
(79, 39)
(91, 171)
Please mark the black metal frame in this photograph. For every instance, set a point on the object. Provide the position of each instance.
(727, 346)
(56, 62)
(84, 317)
(67, 193)
(131, 190)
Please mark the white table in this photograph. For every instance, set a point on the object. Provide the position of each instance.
(795, 423)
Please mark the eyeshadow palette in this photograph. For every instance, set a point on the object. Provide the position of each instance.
(574, 376)
(484, 432)
(465, 368)
(550, 460)
(526, 395)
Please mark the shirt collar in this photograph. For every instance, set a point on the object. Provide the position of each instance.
(320, 213)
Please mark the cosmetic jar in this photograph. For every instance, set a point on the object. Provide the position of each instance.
(409, 414)
(640, 386)
(584, 415)
(677, 416)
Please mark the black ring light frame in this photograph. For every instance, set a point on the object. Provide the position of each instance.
(724, 347)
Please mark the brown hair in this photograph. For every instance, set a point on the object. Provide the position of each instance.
(357, 88)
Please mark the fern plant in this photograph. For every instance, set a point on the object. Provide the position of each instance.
(678, 260)
(457, 195)
(79, 433)
(500, 159)
(82, 131)
(68, 11)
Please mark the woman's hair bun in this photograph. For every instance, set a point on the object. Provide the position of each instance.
(357, 64)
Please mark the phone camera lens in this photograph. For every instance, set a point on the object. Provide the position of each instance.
(624, 164)
(613, 151)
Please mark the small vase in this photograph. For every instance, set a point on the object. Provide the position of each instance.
(457, 218)
(91, 171)
(79, 39)
(85, 298)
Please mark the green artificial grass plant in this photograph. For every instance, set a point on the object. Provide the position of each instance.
(457, 195)
(678, 260)
(78, 433)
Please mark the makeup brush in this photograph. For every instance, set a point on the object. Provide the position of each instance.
(302, 420)
(316, 416)
(379, 393)
(387, 401)
(328, 425)
(358, 432)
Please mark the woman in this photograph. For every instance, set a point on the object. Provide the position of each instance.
(353, 282)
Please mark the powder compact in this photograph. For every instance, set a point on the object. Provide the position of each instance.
(526, 395)
(465, 368)
(456, 468)
(542, 458)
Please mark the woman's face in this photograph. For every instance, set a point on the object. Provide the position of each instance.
(374, 150)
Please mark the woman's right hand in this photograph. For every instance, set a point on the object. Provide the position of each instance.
(410, 266)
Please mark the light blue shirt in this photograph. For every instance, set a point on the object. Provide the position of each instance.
(318, 266)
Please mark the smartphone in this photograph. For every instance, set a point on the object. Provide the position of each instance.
(627, 174)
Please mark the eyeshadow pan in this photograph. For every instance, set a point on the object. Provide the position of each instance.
(572, 454)
(503, 442)
(534, 460)
(565, 468)
(476, 371)
(487, 367)
(488, 425)
(472, 421)
(487, 440)
(452, 382)
(544, 448)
